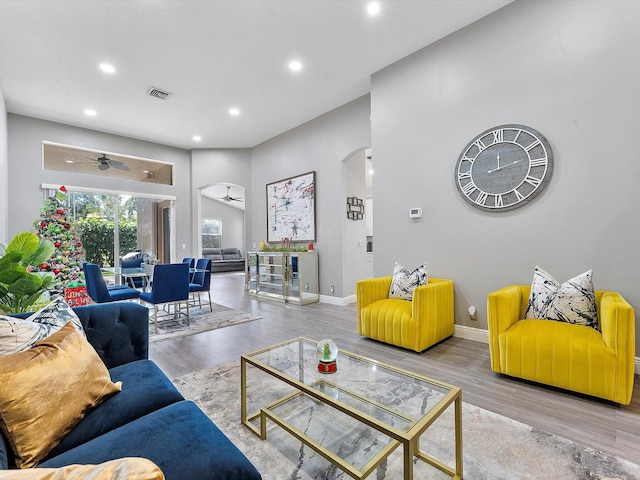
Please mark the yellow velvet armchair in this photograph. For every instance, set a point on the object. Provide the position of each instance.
(414, 324)
(564, 355)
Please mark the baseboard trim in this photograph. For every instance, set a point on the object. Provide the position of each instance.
(339, 301)
(471, 333)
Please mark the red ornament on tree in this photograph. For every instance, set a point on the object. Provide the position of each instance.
(60, 211)
(44, 266)
(67, 225)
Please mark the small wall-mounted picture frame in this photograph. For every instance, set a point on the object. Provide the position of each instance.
(355, 208)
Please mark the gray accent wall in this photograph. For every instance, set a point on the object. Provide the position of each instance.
(568, 69)
(25, 136)
(322, 145)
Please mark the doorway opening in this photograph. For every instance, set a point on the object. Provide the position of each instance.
(221, 217)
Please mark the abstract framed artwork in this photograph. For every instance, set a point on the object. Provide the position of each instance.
(291, 209)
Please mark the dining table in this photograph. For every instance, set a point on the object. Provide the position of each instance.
(126, 275)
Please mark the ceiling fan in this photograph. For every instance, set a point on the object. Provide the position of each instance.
(229, 198)
(105, 163)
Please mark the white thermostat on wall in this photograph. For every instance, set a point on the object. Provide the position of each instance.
(415, 212)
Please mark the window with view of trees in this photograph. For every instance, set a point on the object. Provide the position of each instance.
(211, 233)
(94, 216)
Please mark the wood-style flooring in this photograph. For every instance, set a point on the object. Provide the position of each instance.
(591, 422)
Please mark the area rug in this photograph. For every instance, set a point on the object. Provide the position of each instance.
(200, 320)
(494, 447)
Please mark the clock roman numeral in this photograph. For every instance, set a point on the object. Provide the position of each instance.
(482, 198)
(538, 162)
(534, 144)
(498, 136)
(533, 181)
(499, 201)
(518, 195)
(463, 175)
(468, 188)
(480, 144)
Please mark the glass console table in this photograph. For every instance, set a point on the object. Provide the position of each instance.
(284, 276)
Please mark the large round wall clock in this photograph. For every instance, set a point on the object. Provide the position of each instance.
(504, 167)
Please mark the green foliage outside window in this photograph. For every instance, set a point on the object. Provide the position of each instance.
(211, 233)
(97, 238)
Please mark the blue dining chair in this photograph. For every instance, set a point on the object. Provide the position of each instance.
(191, 261)
(170, 286)
(201, 281)
(134, 282)
(97, 288)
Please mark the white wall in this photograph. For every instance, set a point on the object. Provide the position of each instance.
(4, 169)
(568, 69)
(321, 145)
(232, 223)
(25, 173)
(210, 166)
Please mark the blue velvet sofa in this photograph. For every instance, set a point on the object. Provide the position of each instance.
(149, 418)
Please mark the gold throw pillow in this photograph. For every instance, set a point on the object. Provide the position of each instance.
(47, 390)
(120, 469)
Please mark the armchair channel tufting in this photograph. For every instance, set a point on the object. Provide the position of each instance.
(564, 355)
(415, 324)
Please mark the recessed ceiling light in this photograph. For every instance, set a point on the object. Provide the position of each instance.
(373, 8)
(107, 68)
(89, 112)
(68, 161)
(197, 138)
(234, 111)
(295, 66)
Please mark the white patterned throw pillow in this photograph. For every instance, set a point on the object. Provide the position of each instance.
(574, 301)
(18, 335)
(57, 314)
(405, 281)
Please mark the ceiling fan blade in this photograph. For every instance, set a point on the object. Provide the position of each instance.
(103, 166)
(120, 167)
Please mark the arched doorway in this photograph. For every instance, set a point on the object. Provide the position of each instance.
(221, 213)
(357, 238)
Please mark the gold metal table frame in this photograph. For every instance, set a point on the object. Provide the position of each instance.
(325, 391)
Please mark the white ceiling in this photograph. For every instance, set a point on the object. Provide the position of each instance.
(221, 192)
(211, 55)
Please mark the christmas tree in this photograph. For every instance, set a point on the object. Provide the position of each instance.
(66, 261)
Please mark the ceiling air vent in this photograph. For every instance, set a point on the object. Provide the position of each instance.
(161, 94)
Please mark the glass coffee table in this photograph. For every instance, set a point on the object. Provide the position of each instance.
(332, 413)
